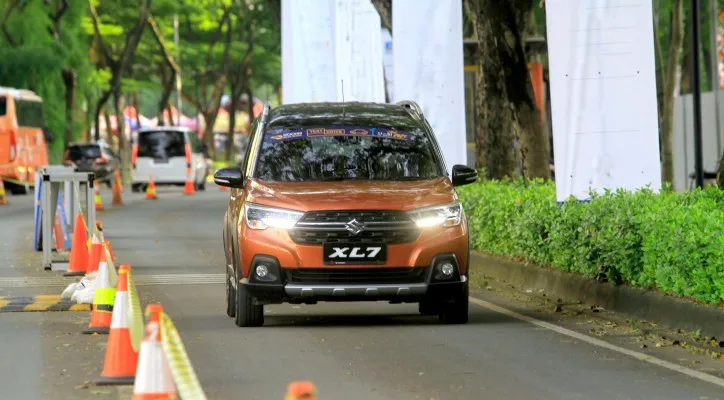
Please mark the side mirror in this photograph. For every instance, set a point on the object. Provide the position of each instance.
(229, 177)
(463, 175)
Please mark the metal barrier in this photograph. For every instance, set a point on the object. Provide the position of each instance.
(74, 183)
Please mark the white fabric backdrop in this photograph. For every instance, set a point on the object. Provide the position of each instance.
(358, 53)
(325, 42)
(603, 95)
(428, 68)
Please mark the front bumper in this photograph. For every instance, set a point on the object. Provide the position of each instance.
(278, 288)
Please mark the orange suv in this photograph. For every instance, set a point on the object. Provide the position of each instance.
(345, 202)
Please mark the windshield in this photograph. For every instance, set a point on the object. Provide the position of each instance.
(341, 153)
(84, 152)
(161, 145)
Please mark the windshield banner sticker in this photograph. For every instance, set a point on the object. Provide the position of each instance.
(280, 135)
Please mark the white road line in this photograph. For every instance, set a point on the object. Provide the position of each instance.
(600, 343)
(139, 280)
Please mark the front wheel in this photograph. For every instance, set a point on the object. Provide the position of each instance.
(247, 313)
(455, 311)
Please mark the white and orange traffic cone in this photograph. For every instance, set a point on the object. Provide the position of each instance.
(117, 189)
(121, 360)
(151, 189)
(97, 196)
(153, 378)
(104, 296)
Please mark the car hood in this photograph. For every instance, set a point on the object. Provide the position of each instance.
(352, 195)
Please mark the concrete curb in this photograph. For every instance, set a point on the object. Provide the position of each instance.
(672, 312)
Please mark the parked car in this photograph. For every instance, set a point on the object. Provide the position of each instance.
(98, 158)
(161, 153)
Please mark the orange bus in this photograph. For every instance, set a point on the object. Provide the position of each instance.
(22, 140)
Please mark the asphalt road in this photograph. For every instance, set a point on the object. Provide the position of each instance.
(351, 351)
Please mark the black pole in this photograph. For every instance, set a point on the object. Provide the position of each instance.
(698, 151)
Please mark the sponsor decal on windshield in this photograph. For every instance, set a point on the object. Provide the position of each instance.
(280, 135)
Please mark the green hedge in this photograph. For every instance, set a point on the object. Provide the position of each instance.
(673, 242)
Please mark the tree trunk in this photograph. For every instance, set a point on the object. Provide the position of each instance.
(233, 105)
(69, 79)
(113, 142)
(99, 108)
(673, 68)
(123, 149)
(472, 8)
(384, 8)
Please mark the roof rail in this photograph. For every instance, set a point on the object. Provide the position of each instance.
(265, 113)
(410, 105)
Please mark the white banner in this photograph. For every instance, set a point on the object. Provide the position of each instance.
(327, 42)
(358, 53)
(603, 95)
(428, 68)
(308, 67)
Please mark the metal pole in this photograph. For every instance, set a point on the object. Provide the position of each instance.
(698, 151)
(178, 62)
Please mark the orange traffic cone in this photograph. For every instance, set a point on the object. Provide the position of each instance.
(97, 196)
(59, 242)
(79, 250)
(94, 257)
(117, 189)
(301, 390)
(151, 189)
(103, 299)
(3, 196)
(190, 187)
(153, 378)
(119, 367)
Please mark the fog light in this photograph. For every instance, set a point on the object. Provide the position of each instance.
(447, 269)
(262, 271)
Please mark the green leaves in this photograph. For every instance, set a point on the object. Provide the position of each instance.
(673, 242)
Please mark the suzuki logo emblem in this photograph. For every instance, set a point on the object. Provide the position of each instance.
(354, 227)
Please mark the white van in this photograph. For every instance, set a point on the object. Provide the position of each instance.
(161, 153)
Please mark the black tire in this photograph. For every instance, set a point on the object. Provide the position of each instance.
(427, 307)
(455, 311)
(247, 313)
(230, 296)
(136, 187)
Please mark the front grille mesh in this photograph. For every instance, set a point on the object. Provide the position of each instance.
(380, 227)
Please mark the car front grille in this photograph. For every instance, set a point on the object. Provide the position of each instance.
(384, 275)
(386, 227)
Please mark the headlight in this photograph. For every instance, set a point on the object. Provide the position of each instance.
(445, 215)
(262, 217)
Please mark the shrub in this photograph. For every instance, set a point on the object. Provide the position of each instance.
(673, 242)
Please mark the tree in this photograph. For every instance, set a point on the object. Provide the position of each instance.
(202, 56)
(118, 64)
(168, 72)
(44, 47)
(240, 79)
